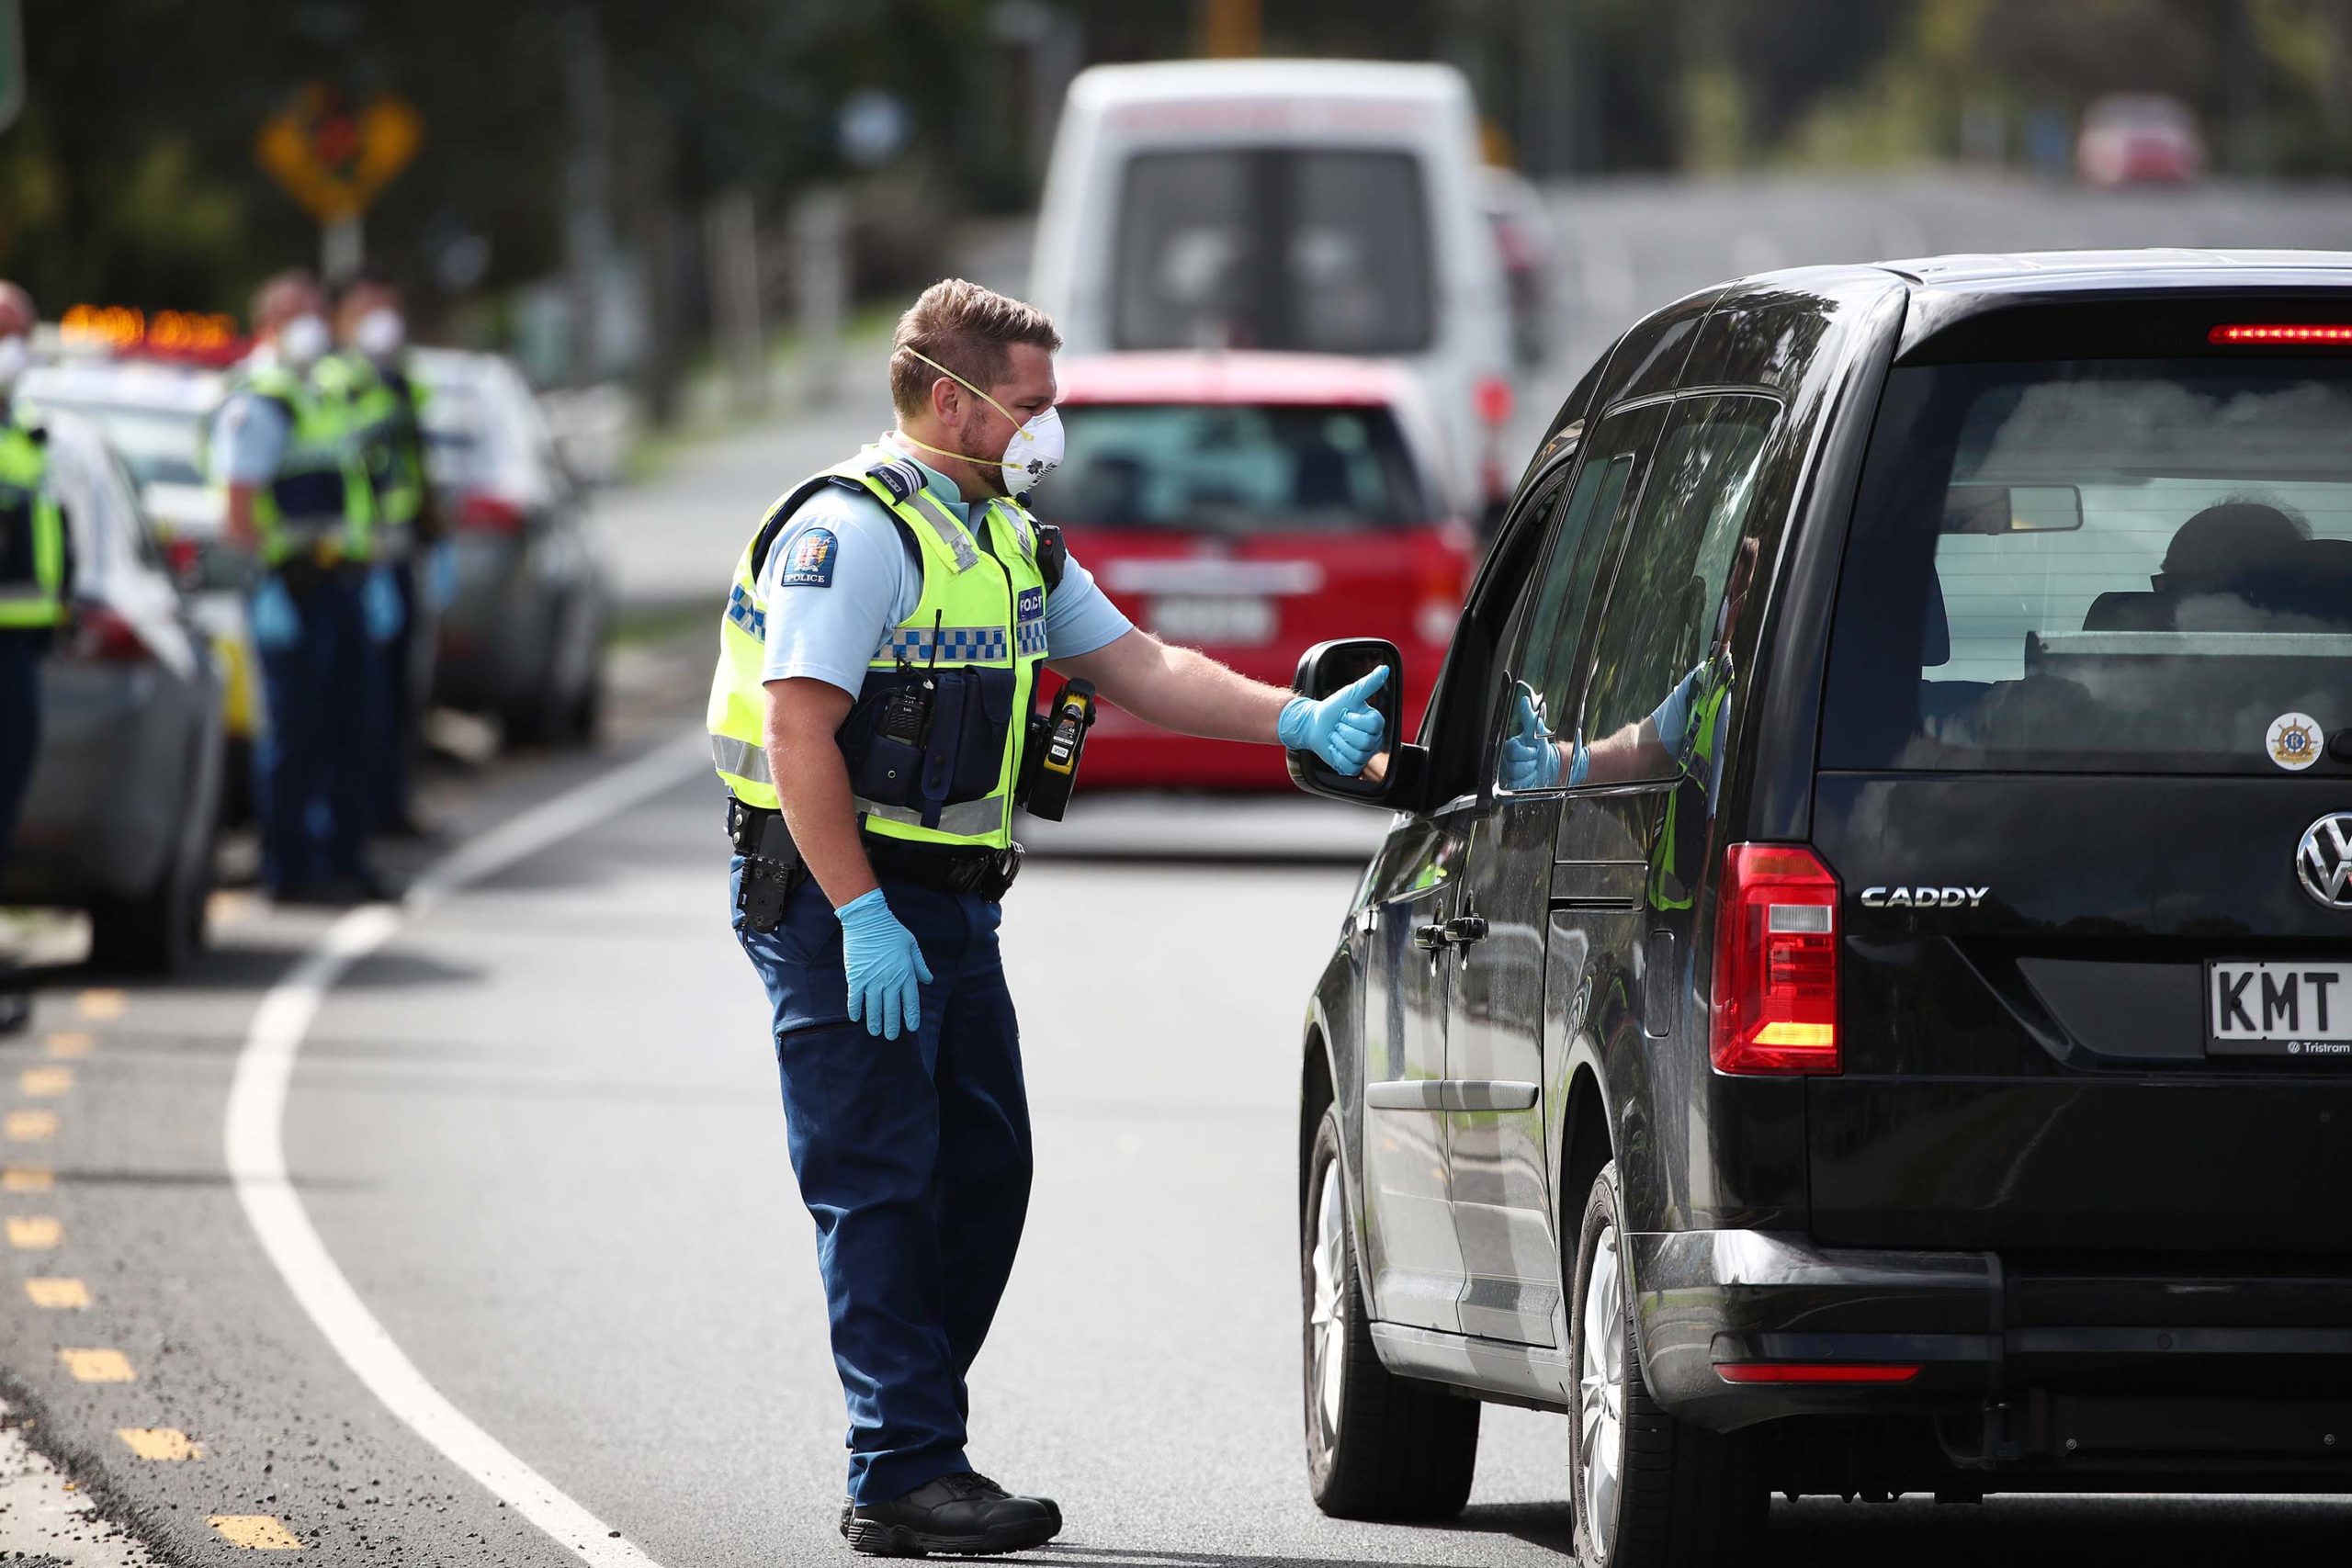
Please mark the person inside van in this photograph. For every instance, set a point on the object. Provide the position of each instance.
(2228, 561)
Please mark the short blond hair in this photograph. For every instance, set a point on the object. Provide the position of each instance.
(970, 329)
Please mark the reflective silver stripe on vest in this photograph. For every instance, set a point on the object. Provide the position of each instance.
(742, 759)
(970, 819)
(951, 533)
(964, 645)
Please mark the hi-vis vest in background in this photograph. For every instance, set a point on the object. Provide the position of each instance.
(320, 503)
(982, 610)
(32, 533)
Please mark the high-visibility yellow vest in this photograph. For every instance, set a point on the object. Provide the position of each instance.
(384, 415)
(32, 534)
(321, 502)
(975, 582)
(1667, 888)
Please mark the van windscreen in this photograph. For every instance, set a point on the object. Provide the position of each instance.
(1319, 250)
(2098, 565)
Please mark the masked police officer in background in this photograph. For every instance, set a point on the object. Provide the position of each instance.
(870, 717)
(289, 446)
(408, 547)
(36, 585)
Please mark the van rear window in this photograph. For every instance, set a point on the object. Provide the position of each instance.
(1323, 250)
(2093, 566)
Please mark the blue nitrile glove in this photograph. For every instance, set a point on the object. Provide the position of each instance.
(380, 602)
(885, 965)
(1530, 758)
(441, 576)
(275, 621)
(1343, 728)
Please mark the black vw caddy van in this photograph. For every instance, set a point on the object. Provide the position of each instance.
(1856, 995)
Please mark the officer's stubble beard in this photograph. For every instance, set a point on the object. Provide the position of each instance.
(968, 437)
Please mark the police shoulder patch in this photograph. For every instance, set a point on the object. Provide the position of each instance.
(811, 565)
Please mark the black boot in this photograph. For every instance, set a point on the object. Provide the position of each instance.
(961, 1516)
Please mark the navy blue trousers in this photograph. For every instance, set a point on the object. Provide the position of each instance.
(913, 1158)
(311, 789)
(20, 653)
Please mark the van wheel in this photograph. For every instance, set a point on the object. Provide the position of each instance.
(1650, 1491)
(1378, 1446)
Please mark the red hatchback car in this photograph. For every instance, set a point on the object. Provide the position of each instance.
(1251, 505)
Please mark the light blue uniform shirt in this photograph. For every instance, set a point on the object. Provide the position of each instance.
(248, 438)
(827, 631)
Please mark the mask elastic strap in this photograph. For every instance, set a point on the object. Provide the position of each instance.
(999, 408)
(944, 452)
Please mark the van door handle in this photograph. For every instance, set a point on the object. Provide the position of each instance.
(1464, 929)
(1428, 938)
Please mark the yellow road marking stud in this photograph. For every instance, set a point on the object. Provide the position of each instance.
(34, 1232)
(160, 1442)
(46, 1083)
(259, 1531)
(59, 1294)
(99, 1366)
(71, 1042)
(26, 1179)
(102, 1006)
(29, 1126)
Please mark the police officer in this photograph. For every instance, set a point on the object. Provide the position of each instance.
(301, 499)
(879, 650)
(373, 361)
(36, 585)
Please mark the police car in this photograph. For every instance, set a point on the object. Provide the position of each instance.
(1251, 504)
(1857, 993)
(154, 402)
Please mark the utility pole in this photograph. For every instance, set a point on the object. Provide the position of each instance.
(588, 219)
(731, 236)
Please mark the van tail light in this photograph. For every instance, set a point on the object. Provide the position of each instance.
(484, 513)
(102, 635)
(1491, 399)
(1814, 1371)
(1441, 580)
(1776, 962)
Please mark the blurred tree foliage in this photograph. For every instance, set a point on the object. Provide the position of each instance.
(130, 175)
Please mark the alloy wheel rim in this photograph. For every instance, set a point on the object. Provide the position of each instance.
(1327, 1317)
(1600, 1392)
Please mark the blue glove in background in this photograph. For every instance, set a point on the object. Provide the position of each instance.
(1343, 728)
(885, 965)
(271, 613)
(379, 600)
(441, 576)
(1531, 759)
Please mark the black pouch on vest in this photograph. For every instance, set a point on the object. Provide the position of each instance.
(887, 757)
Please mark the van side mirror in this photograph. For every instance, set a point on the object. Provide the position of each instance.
(1395, 779)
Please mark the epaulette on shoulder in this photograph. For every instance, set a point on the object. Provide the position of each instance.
(897, 474)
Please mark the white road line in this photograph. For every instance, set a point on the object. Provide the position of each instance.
(256, 1149)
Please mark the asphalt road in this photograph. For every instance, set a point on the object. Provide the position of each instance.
(535, 1130)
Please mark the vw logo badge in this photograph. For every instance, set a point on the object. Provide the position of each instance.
(2323, 860)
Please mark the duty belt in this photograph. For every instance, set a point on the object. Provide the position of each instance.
(985, 872)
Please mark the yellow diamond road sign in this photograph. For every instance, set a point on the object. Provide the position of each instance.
(333, 153)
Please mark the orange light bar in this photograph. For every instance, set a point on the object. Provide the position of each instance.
(2283, 332)
(1814, 1371)
(122, 327)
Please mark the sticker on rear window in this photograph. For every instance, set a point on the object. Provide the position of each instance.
(2294, 741)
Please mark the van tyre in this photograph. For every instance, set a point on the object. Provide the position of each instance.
(1649, 1491)
(1378, 1446)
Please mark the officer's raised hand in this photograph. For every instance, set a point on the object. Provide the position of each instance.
(885, 965)
(1343, 728)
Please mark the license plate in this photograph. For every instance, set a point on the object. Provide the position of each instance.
(1214, 618)
(2278, 1009)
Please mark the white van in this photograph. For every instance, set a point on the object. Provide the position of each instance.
(1324, 206)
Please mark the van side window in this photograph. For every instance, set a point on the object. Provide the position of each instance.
(1688, 555)
(1545, 660)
